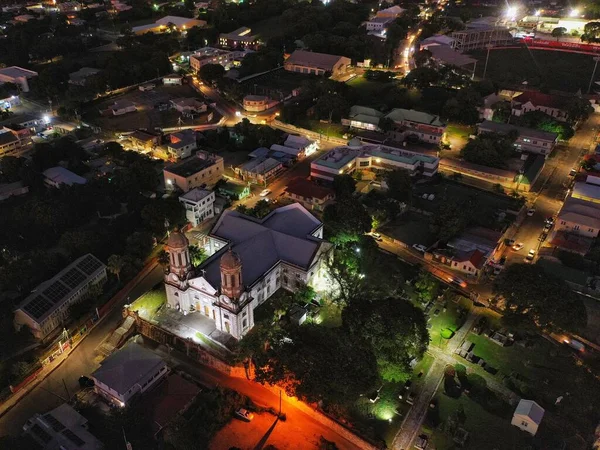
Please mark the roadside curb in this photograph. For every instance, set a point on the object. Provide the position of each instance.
(34, 384)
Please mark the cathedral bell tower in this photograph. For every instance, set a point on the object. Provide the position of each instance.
(179, 255)
(231, 275)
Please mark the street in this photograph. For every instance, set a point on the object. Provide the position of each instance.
(63, 382)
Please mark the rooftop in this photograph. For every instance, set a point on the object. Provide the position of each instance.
(190, 166)
(8, 138)
(307, 189)
(530, 409)
(411, 115)
(586, 191)
(260, 165)
(497, 127)
(286, 234)
(51, 294)
(380, 19)
(313, 59)
(448, 55)
(196, 194)
(294, 151)
(242, 33)
(60, 175)
(181, 22)
(16, 72)
(541, 99)
(126, 367)
(83, 73)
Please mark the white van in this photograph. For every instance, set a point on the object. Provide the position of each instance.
(147, 87)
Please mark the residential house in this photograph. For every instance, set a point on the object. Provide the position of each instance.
(392, 12)
(363, 118)
(528, 416)
(259, 170)
(80, 77)
(180, 145)
(199, 205)
(305, 145)
(553, 105)
(58, 176)
(480, 37)
(128, 372)
(122, 107)
(416, 124)
(470, 262)
(17, 75)
(234, 191)
(189, 105)
(358, 156)
(580, 213)
(446, 55)
(203, 169)
(61, 428)
(15, 189)
(296, 153)
(528, 139)
(144, 140)
(46, 309)
(240, 38)
(302, 61)
(312, 196)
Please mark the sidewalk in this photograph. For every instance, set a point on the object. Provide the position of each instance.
(46, 370)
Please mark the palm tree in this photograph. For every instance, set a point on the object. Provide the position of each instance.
(197, 255)
(115, 265)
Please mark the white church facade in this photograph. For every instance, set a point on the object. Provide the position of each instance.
(250, 260)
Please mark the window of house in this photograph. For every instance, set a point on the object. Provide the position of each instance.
(226, 316)
(576, 227)
(562, 222)
(524, 423)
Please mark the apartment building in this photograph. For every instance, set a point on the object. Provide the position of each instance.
(202, 169)
(199, 205)
(240, 38)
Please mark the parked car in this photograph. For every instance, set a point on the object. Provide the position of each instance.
(547, 226)
(410, 398)
(85, 382)
(421, 442)
(244, 414)
(531, 212)
(147, 87)
(573, 172)
(518, 246)
(419, 247)
(376, 236)
(265, 192)
(530, 256)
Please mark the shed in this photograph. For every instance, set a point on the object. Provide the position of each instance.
(528, 416)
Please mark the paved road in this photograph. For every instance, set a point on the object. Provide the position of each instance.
(259, 394)
(82, 361)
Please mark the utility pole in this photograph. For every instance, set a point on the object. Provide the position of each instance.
(66, 389)
(486, 60)
(596, 59)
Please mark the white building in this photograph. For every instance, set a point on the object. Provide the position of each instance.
(528, 416)
(18, 76)
(62, 428)
(129, 371)
(173, 80)
(57, 176)
(199, 205)
(210, 55)
(182, 144)
(189, 105)
(47, 307)
(306, 146)
(378, 24)
(251, 260)
(122, 107)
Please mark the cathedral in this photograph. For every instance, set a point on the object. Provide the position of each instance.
(250, 260)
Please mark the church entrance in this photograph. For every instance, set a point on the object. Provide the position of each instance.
(206, 311)
(227, 327)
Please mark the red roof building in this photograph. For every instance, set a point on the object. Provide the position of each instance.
(553, 105)
(310, 195)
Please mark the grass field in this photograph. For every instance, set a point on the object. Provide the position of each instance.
(149, 303)
(447, 322)
(538, 68)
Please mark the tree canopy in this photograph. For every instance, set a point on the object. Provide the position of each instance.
(489, 149)
(533, 295)
(395, 330)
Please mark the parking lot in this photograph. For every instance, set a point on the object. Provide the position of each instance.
(148, 115)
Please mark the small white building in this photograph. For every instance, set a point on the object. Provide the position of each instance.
(528, 416)
(181, 144)
(129, 371)
(173, 79)
(378, 24)
(18, 76)
(122, 107)
(199, 205)
(189, 105)
(307, 146)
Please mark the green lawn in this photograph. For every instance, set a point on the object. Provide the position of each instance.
(486, 430)
(563, 71)
(326, 129)
(149, 303)
(330, 315)
(446, 323)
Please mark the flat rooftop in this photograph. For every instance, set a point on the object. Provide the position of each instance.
(189, 166)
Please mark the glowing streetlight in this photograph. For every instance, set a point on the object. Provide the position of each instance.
(574, 12)
(511, 11)
(538, 13)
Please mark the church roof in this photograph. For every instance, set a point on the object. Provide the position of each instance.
(177, 240)
(284, 235)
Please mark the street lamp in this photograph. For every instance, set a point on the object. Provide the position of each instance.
(486, 60)
(574, 12)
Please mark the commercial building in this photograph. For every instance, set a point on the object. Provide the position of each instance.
(63, 428)
(416, 124)
(302, 61)
(378, 24)
(180, 145)
(477, 38)
(162, 25)
(47, 307)
(553, 105)
(310, 195)
(128, 372)
(144, 140)
(528, 416)
(356, 156)
(305, 145)
(251, 260)
(199, 205)
(58, 176)
(210, 55)
(259, 170)
(580, 213)
(363, 118)
(240, 38)
(14, 141)
(18, 76)
(256, 103)
(528, 139)
(203, 169)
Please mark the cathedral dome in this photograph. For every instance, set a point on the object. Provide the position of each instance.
(230, 260)
(177, 240)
